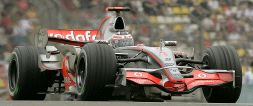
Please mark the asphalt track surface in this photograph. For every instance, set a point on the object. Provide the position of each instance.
(111, 103)
(186, 100)
(176, 101)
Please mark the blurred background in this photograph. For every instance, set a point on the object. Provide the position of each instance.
(193, 23)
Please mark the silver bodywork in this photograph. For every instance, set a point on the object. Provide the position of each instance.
(165, 58)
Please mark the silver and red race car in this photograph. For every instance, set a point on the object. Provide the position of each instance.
(104, 64)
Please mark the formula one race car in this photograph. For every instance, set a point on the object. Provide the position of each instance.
(105, 64)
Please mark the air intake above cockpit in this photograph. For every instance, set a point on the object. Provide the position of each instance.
(119, 23)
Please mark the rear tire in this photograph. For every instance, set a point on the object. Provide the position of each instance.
(25, 78)
(223, 57)
(96, 68)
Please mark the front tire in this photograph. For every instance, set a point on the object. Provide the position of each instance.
(95, 70)
(223, 57)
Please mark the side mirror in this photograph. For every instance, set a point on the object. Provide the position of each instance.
(168, 43)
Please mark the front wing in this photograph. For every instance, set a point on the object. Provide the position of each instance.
(186, 85)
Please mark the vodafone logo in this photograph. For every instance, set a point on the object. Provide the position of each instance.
(73, 35)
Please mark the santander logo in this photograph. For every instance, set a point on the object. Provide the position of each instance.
(73, 35)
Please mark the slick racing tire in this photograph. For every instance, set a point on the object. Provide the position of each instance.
(26, 81)
(96, 69)
(223, 57)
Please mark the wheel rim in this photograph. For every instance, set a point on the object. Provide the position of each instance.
(13, 75)
(208, 91)
(81, 74)
(205, 61)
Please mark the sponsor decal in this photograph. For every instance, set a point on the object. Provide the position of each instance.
(168, 64)
(203, 82)
(67, 80)
(142, 81)
(202, 75)
(138, 74)
(164, 54)
(73, 35)
(118, 37)
(167, 59)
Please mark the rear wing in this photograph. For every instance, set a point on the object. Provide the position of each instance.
(72, 37)
(118, 9)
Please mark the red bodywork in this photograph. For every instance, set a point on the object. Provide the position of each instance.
(76, 37)
(68, 77)
(72, 37)
(200, 78)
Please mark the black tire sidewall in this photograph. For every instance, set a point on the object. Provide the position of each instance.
(13, 91)
(30, 79)
(81, 89)
(223, 57)
(100, 69)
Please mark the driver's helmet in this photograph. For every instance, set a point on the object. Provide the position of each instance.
(122, 39)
